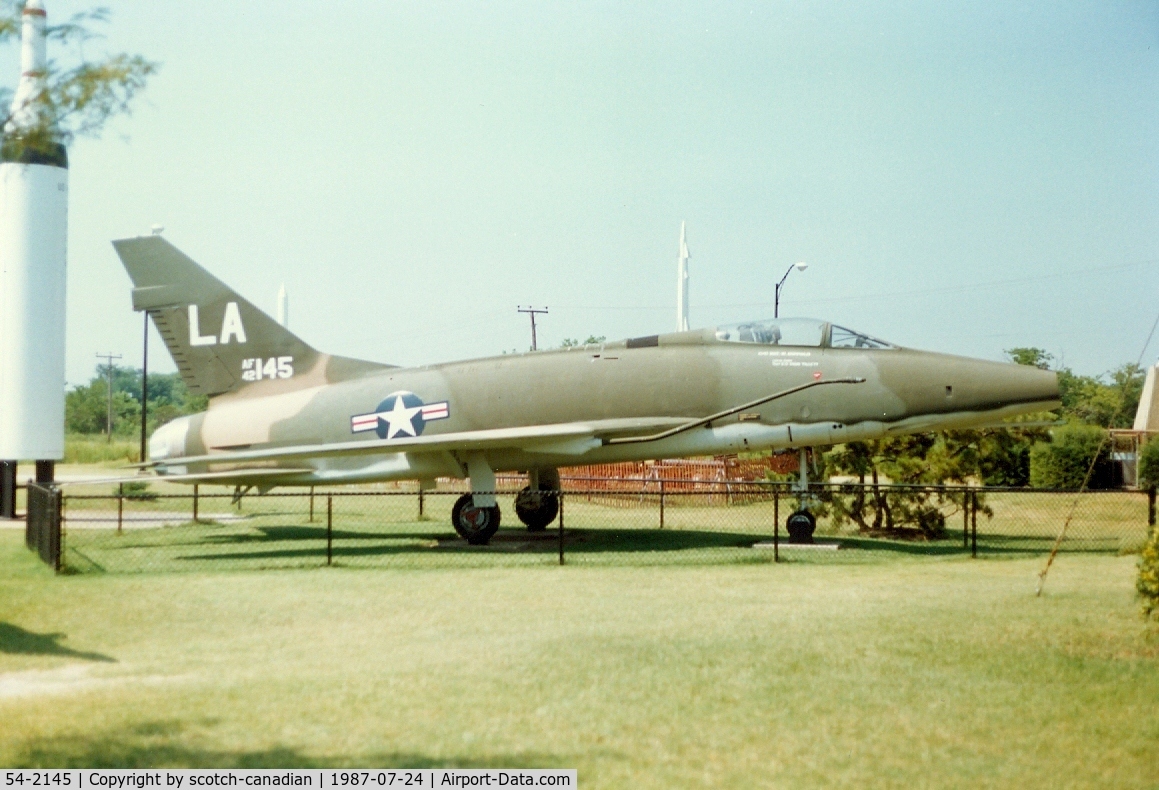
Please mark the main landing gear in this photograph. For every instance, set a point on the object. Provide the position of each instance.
(476, 525)
(802, 523)
(476, 516)
(537, 504)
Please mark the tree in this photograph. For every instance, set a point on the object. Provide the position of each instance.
(1149, 465)
(591, 341)
(1035, 357)
(1066, 459)
(1090, 404)
(1090, 399)
(78, 95)
(86, 406)
(917, 459)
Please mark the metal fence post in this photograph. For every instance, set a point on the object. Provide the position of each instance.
(8, 489)
(966, 520)
(974, 525)
(58, 531)
(329, 528)
(311, 504)
(195, 497)
(661, 504)
(561, 528)
(120, 505)
(30, 533)
(1151, 507)
(776, 525)
(421, 503)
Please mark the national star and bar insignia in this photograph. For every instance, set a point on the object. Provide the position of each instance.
(400, 414)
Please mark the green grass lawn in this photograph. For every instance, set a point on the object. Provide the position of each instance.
(921, 673)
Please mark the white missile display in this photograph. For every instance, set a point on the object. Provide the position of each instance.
(283, 306)
(682, 284)
(33, 246)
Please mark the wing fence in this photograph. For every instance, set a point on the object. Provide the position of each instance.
(629, 522)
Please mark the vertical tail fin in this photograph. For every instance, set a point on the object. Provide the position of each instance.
(219, 340)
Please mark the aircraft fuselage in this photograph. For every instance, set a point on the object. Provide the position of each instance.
(641, 382)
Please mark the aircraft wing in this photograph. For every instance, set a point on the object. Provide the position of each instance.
(563, 438)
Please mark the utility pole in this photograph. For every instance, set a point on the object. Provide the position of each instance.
(533, 311)
(109, 357)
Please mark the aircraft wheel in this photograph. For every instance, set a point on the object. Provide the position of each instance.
(476, 525)
(536, 509)
(800, 526)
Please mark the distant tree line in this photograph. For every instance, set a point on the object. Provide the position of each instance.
(86, 405)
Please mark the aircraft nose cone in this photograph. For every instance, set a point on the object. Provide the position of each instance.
(995, 384)
(939, 383)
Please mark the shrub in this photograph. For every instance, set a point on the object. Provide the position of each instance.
(1064, 461)
(136, 489)
(1148, 583)
(1149, 465)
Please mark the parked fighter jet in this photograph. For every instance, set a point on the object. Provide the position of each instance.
(282, 413)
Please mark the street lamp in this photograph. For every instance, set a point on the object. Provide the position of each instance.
(800, 266)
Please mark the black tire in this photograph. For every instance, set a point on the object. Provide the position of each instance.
(476, 525)
(536, 509)
(800, 526)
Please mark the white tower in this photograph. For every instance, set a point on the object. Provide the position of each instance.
(33, 239)
(283, 306)
(682, 284)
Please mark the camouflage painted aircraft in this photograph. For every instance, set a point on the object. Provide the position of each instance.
(282, 413)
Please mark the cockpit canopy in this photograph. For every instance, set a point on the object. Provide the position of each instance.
(797, 332)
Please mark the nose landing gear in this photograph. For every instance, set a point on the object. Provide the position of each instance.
(801, 524)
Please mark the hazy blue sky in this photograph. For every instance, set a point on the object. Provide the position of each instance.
(963, 177)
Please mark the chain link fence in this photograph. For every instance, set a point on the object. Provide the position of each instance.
(42, 524)
(633, 523)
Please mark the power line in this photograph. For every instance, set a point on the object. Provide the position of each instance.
(986, 284)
